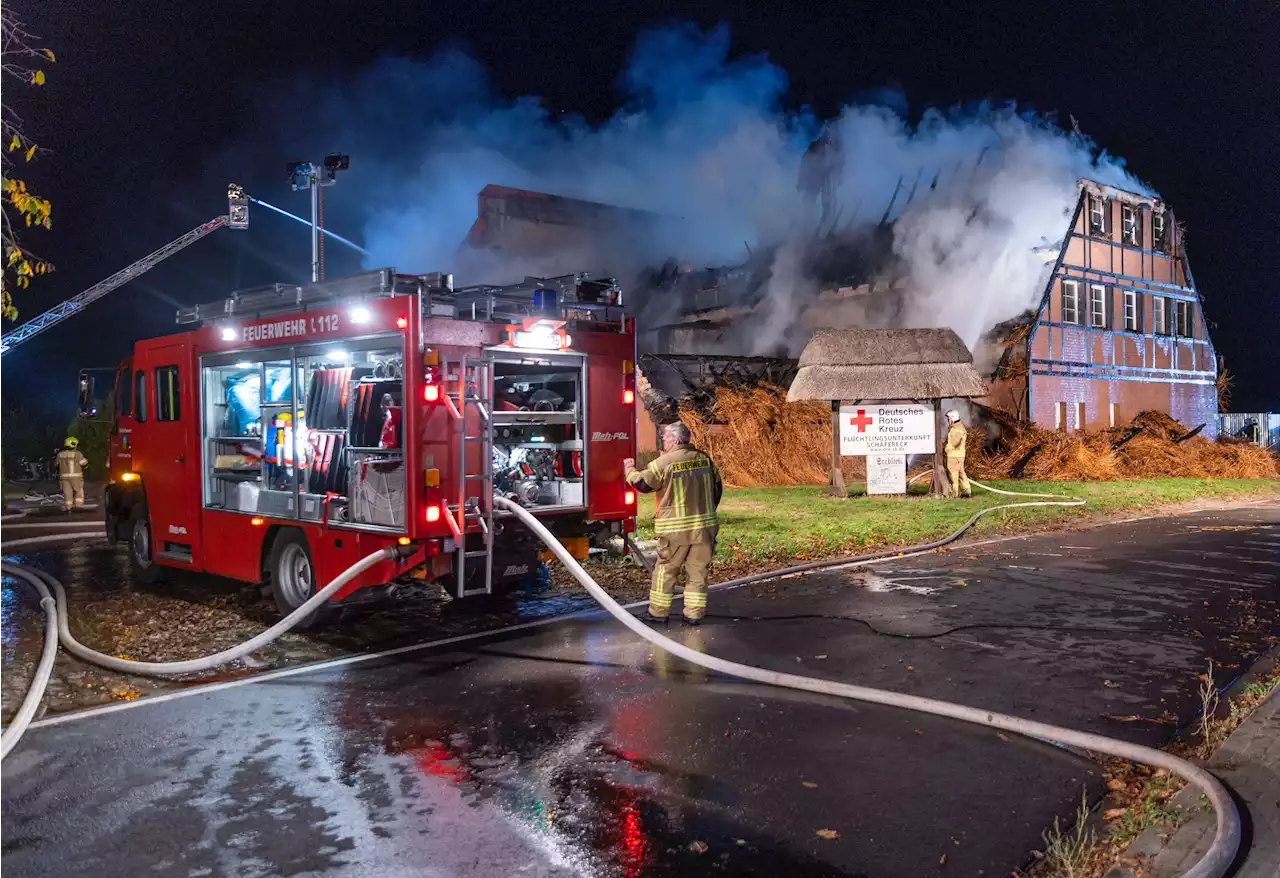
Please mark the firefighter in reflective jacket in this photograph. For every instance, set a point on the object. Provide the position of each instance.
(71, 465)
(957, 439)
(688, 489)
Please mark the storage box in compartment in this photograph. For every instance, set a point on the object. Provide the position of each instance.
(560, 493)
(377, 493)
(279, 504)
(244, 496)
(312, 506)
(571, 494)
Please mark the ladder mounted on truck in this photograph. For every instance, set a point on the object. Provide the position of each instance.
(474, 393)
(237, 217)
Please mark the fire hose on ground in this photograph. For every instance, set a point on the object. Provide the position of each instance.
(1213, 864)
(55, 609)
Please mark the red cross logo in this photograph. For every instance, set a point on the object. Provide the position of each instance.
(862, 421)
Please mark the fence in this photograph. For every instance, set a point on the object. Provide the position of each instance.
(1240, 425)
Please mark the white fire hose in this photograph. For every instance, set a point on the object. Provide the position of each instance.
(1213, 864)
(1226, 840)
(55, 609)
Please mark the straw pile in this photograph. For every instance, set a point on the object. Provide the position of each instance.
(758, 439)
(1024, 451)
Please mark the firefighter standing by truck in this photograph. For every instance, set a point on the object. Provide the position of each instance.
(71, 465)
(957, 439)
(689, 490)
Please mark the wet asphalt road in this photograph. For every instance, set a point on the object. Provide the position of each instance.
(575, 749)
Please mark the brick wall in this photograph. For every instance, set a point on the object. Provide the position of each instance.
(1191, 404)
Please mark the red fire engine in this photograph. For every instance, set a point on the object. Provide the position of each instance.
(296, 429)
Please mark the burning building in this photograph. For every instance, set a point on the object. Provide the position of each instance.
(1118, 328)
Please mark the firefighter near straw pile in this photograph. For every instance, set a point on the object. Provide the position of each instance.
(689, 491)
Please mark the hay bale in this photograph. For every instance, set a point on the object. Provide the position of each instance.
(758, 439)
(1159, 424)
(1024, 451)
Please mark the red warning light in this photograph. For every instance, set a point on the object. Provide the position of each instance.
(628, 397)
(402, 323)
(433, 514)
(431, 393)
(629, 498)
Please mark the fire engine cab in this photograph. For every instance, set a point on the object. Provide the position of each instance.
(293, 430)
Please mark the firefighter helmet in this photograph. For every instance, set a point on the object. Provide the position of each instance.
(953, 416)
(72, 442)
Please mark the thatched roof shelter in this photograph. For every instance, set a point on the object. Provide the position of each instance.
(885, 364)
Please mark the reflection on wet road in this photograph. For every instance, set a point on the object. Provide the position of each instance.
(576, 749)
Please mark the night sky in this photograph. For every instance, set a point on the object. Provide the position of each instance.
(153, 107)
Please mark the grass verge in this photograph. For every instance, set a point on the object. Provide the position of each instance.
(773, 524)
(1139, 797)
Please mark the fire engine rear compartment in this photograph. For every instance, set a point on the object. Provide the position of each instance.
(313, 432)
(537, 432)
(309, 432)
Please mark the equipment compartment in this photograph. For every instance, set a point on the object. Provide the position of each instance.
(334, 450)
(538, 458)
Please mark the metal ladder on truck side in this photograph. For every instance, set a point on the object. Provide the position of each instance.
(474, 393)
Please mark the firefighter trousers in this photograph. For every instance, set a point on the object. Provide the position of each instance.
(695, 560)
(72, 491)
(959, 478)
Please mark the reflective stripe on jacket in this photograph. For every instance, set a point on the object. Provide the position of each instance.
(688, 488)
(70, 462)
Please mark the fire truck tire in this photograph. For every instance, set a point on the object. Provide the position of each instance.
(141, 549)
(291, 575)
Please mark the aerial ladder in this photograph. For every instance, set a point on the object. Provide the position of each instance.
(237, 217)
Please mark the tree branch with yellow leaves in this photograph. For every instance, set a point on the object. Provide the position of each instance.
(20, 62)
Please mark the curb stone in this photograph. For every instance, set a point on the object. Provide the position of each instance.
(1166, 850)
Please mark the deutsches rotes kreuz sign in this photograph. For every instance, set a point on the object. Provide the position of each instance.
(886, 429)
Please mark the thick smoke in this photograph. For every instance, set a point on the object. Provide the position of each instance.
(703, 140)
(978, 201)
(700, 139)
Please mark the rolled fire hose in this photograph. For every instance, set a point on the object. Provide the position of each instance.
(1213, 864)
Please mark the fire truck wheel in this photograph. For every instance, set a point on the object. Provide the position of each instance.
(291, 575)
(141, 551)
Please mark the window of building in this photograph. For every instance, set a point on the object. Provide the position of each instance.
(168, 404)
(1132, 318)
(1071, 301)
(1080, 416)
(1060, 416)
(1182, 319)
(1131, 219)
(140, 396)
(1099, 216)
(1159, 231)
(1159, 315)
(1098, 306)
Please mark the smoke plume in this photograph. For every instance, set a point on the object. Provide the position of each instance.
(703, 139)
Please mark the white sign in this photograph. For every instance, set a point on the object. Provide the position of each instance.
(886, 429)
(886, 474)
